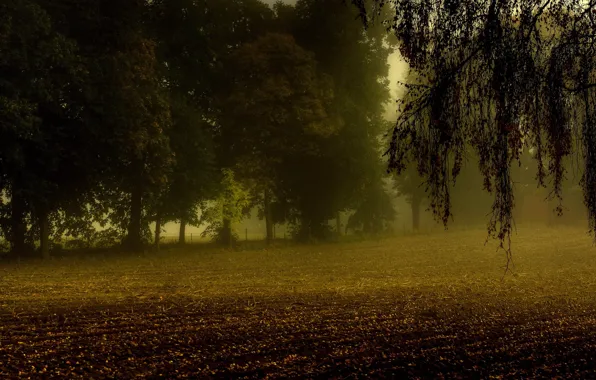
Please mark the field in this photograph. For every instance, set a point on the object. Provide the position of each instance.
(416, 306)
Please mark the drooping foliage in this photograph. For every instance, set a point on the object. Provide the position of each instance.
(501, 74)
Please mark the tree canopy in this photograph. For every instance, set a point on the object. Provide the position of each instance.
(347, 168)
(117, 115)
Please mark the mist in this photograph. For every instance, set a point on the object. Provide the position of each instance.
(298, 189)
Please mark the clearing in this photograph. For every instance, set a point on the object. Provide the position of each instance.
(416, 306)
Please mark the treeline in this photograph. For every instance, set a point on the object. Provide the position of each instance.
(119, 114)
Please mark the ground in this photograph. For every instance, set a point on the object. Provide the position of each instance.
(416, 306)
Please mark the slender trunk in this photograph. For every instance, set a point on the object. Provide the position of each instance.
(416, 213)
(366, 227)
(338, 224)
(18, 226)
(268, 218)
(227, 233)
(134, 242)
(157, 231)
(182, 232)
(304, 234)
(348, 224)
(44, 235)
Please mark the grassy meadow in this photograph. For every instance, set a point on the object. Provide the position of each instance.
(416, 306)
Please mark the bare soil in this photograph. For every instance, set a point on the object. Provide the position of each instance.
(425, 306)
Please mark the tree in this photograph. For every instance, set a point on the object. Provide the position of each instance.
(276, 109)
(135, 118)
(126, 107)
(497, 81)
(463, 194)
(44, 157)
(194, 40)
(231, 205)
(374, 213)
(339, 177)
(410, 185)
(192, 176)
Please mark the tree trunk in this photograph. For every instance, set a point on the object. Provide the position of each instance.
(268, 218)
(349, 224)
(416, 213)
(134, 242)
(18, 226)
(44, 235)
(227, 233)
(182, 233)
(157, 231)
(338, 224)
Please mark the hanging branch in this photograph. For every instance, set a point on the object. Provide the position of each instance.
(502, 75)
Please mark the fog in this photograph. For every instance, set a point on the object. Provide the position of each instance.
(262, 189)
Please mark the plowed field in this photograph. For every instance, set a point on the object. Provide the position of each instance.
(426, 306)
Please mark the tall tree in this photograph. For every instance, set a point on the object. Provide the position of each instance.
(192, 176)
(44, 156)
(356, 61)
(277, 108)
(195, 39)
(127, 106)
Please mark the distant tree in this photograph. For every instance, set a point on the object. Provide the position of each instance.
(192, 64)
(411, 186)
(374, 212)
(193, 177)
(338, 178)
(231, 205)
(276, 109)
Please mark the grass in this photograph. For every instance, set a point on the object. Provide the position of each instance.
(376, 308)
